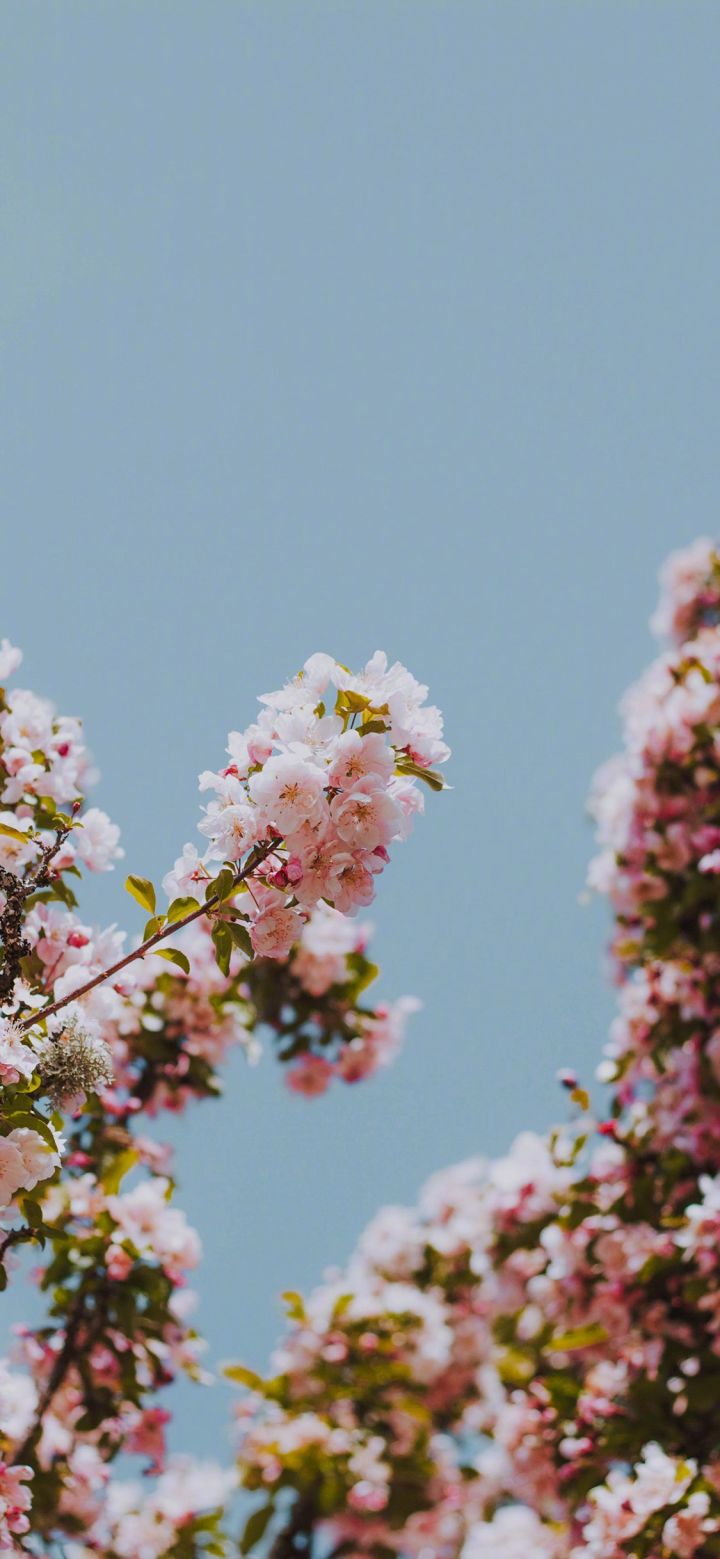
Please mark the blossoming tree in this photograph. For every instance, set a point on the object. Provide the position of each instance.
(528, 1362)
(255, 935)
(525, 1364)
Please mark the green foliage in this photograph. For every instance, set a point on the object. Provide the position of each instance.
(173, 955)
(180, 909)
(143, 891)
(256, 1527)
(14, 833)
(430, 777)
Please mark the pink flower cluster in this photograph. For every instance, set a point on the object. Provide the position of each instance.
(180, 1511)
(329, 775)
(689, 591)
(26, 1159)
(46, 766)
(15, 1502)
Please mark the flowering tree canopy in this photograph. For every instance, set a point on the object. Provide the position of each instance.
(525, 1364)
(255, 935)
(528, 1362)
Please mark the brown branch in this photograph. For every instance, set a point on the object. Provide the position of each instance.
(41, 876)
(15, 945)
(258, 856)
(296, 1538)
(17, 891)
(59, 1370)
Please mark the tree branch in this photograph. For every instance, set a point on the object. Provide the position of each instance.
(15, 945)
(258, 856)
(17, 891)
(296, 1538)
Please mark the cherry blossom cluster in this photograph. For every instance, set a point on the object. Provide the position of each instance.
(658, 813)
(45, 768)
(322, 784)
(181, 1515)
(570, 1317)
(312, 1006)
(529, 1362)
(97, 1037)
(389, 1364)
(689, 591)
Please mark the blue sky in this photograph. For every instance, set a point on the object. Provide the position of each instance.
(344, 325)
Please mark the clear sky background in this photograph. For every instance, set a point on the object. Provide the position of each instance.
(344, 325)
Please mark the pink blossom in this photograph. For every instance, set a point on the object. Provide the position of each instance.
(17, 1059)
(154, 1227)
(189, 876)
(38, 1158)
(119, 1263)
(689, 583)
(353, 887)
(309, 1075)
(290, 792)
(232, 827)
(10, 659)
(360, 757)
(366, 816)
(274, 932)
(25, 1159)
(367, 1496)
(97, 841)
(325, 941)
(513, 1533)
(15, 1502)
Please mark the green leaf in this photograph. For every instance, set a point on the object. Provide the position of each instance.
(255, 1527)
(429, 777)
(117, 1171)
(180, 908)
(240, 936)
(61, 891)
(578, 1337)
(295, 1305)
(243, 1376)
(173, 956)
(366, 973)
(14, 833)
(155, 923)
(222, 942)
(222, 885)
(142, 890)
(355, 702)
